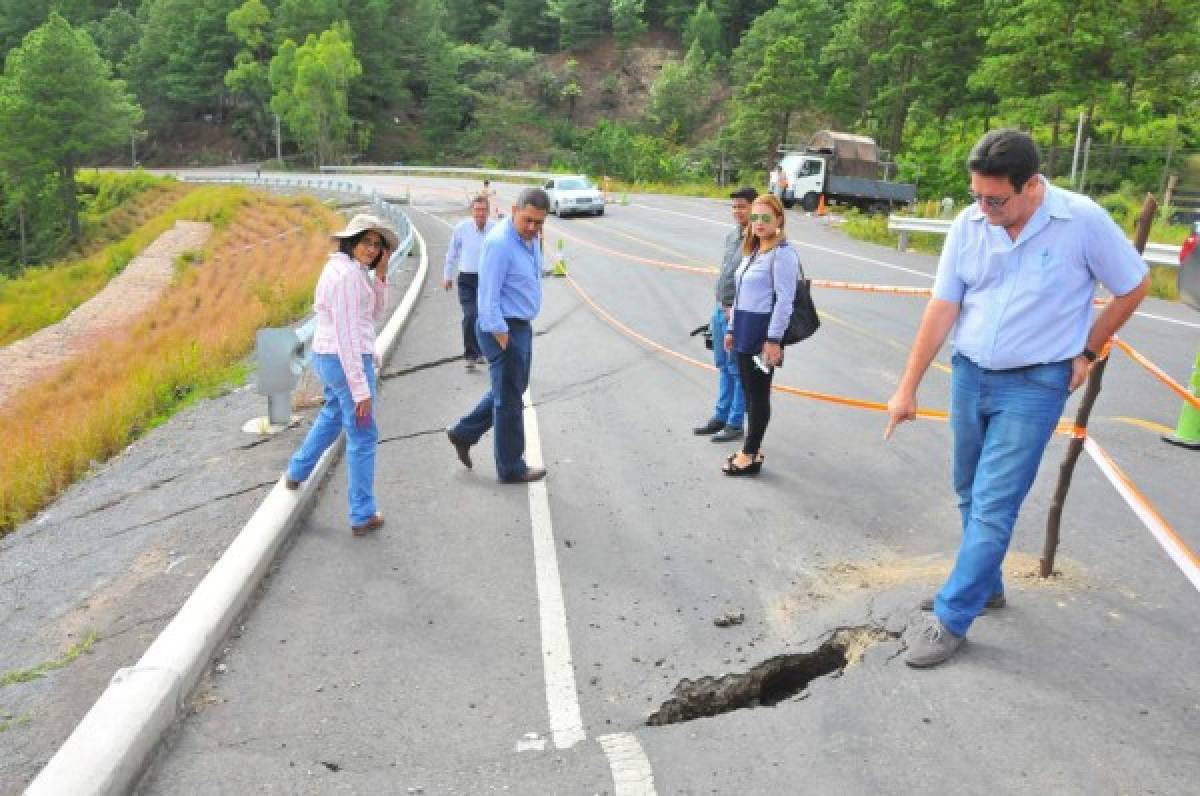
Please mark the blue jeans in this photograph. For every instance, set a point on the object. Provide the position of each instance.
(1001, 420)
(468, 289)
(731, 401)
(361, 438)
(502, 406)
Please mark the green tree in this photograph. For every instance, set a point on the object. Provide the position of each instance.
(60, 105)
(177, 67)
(680, 97)
(296, 19)
(249, 78)
(580, 22)
(467, 20)
(311, 84)
(115, 35)
(669, 14)
(627, 22)
(530, 23)
(704, 28)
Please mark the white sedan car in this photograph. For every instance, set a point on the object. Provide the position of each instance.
(574, 195)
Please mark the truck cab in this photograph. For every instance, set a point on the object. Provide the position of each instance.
(803, 180)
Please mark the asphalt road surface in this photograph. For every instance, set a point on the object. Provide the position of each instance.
(537, 639)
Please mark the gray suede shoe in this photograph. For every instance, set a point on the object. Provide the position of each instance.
(997, 602)
(935, 644)
(728, 434)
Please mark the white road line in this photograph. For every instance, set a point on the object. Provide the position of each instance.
(562, 694)
(632, 775)
(883, 264)
(1147, 515)
(858, 257)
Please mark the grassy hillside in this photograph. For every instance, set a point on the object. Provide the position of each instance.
(262, 261)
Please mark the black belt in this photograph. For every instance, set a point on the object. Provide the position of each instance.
(516, 322)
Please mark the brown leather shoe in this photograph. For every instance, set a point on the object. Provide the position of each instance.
(530, 474)
(373, 524)
(461, 447)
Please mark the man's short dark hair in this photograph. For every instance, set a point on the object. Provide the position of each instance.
(1006, 153)
(533, 197)
(481, 199)
(745, 192)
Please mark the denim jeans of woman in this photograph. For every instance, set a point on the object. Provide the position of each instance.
(1001, 421)
(362, 437)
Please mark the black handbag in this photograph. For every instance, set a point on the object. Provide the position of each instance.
(804, 321)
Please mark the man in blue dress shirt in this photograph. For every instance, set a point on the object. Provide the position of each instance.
(466, 246)
(510, 296)
(1015, 282)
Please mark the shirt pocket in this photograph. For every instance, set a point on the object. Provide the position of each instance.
(1042, 270)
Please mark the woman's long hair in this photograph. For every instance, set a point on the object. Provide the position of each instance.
(751, 242)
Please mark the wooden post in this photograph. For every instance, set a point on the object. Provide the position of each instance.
(1075, 447)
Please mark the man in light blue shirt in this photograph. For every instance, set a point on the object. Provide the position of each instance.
(1015, 282)
(510, 297)
(466, 246)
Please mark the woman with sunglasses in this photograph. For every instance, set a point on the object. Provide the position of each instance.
(762, 308)
(348, 301)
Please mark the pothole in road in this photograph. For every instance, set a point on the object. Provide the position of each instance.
(773, 681)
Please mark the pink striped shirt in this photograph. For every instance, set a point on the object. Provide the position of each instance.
(348, 301)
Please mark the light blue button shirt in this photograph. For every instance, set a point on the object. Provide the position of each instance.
(1029, 301)
(466, 244)
(510, 278)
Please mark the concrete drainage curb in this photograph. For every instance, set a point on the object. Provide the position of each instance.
(109, 750)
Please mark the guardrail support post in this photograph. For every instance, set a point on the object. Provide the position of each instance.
(1187, 431)
(902, 244)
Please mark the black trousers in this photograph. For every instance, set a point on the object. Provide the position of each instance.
(757, 386)
(468, 289)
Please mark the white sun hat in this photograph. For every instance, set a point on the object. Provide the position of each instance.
(365, 221)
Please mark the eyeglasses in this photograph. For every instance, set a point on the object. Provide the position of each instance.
(765, 218)
(991, 202)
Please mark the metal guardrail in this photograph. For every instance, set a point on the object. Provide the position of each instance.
(1155, 253)
(282, 354)
(536, 175)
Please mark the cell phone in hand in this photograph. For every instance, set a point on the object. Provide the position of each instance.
(758, 363)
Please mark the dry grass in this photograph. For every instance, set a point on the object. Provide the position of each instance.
(189, 344)
(47, 294)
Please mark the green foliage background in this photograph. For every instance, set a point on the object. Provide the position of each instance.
(521, 83)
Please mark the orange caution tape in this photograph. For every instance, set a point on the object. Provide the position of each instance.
(937, 414)
(1157, 372)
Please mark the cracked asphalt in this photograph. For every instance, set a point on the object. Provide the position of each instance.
(411, 660)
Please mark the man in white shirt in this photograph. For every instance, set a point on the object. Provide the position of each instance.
(466, 245)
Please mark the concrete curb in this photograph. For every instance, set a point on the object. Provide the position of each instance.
(109, 750)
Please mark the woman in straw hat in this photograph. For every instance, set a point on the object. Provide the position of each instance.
(348, 302)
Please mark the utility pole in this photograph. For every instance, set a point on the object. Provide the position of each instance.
(133, 149)
(21, 223)
(1078, 143)
(278, 142)
(1087, 152)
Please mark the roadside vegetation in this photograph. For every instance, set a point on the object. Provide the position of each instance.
(258, 269)
(119, 227)
(1123, 207)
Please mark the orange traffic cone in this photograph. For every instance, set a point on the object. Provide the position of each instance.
(821, 205)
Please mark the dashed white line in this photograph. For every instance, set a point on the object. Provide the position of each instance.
(632, 775)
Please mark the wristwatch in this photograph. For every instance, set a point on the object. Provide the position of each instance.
(774, 340)
(1089, 354)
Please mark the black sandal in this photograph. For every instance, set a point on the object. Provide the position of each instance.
(731, 467)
